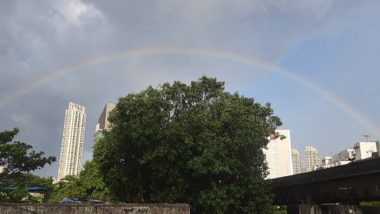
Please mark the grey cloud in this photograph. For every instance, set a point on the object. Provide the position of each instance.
(39, 37)
(266, 29)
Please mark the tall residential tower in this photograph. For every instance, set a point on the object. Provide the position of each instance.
(279, 155)
(313, 160)
(296, 161)
(72, 141)
(103, 123)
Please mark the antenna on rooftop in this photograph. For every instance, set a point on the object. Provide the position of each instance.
(366, 136)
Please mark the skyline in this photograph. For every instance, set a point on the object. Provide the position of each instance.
(315, 62)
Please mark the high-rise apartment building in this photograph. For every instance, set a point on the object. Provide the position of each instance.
(72, 141)
(279, 156)
(313, 160)
(103, 123)
(296, 161)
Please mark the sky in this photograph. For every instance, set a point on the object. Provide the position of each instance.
(316, 62)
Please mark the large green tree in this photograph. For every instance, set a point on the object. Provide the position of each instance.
(192, 143)
(17, 158)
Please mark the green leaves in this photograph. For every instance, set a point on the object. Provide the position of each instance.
(7, 136)
(188, 143)
(89, 184)
(17, 157)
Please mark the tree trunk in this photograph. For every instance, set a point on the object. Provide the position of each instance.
(141, 196)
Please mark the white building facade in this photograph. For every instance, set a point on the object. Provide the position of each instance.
(72, 141)
(364, 150)
(279, 155)
(360, 151)
(326, 161)
(313, 160)
(296, 159)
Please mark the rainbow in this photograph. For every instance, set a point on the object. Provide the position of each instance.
(212, 53)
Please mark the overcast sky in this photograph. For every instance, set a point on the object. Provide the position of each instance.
(53, 52)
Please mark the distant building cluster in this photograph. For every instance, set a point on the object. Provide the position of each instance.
(359, 151)
(282, 160)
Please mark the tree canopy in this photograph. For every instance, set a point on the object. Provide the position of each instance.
(89, 184)
(191, 143)
(17, 158)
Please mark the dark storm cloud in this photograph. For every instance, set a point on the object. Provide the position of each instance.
(37, 37)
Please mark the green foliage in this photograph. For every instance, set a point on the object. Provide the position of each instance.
(89, 184)
(69, 186)
(93, 183)
(17, 158)
(370, 203)
(280, 210)
(16, 188)
(189, 143)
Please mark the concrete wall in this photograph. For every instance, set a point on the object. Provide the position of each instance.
(95, 208)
